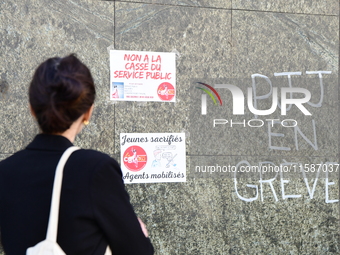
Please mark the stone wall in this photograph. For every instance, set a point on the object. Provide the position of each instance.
(216, 41)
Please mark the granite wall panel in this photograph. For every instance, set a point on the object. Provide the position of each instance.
(202, 48)
(266, 43)
(32, 31)
(269, 43)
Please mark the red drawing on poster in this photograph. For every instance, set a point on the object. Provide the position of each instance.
(135, 158)
(166, 91)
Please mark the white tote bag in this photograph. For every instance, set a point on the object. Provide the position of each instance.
(49, 246)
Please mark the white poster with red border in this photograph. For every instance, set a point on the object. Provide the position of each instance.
(153, 157)
(142, 76)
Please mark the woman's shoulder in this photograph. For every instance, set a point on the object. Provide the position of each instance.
(12, 159)
(98, 166)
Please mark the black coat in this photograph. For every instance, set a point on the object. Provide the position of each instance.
(94, 207)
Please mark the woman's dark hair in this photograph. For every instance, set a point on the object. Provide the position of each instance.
(62, 89)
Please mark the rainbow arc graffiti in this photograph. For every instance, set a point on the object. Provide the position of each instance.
(209, 93)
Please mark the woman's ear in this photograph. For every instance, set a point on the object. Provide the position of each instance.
(32, 111)
(88, 114)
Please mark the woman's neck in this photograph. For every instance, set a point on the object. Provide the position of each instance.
(74, 130)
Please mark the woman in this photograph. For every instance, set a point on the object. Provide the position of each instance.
(94, 207)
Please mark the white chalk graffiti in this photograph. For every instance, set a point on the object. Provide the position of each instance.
(284, 182)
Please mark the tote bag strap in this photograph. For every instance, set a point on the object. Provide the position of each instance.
(54, 211)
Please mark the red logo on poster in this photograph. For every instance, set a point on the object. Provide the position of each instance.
(166, 91)
(135, 158)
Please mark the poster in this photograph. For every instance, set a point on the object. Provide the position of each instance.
(153, 157)
(142, 76)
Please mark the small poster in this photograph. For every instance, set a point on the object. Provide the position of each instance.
(153, 157)
(142, 76)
